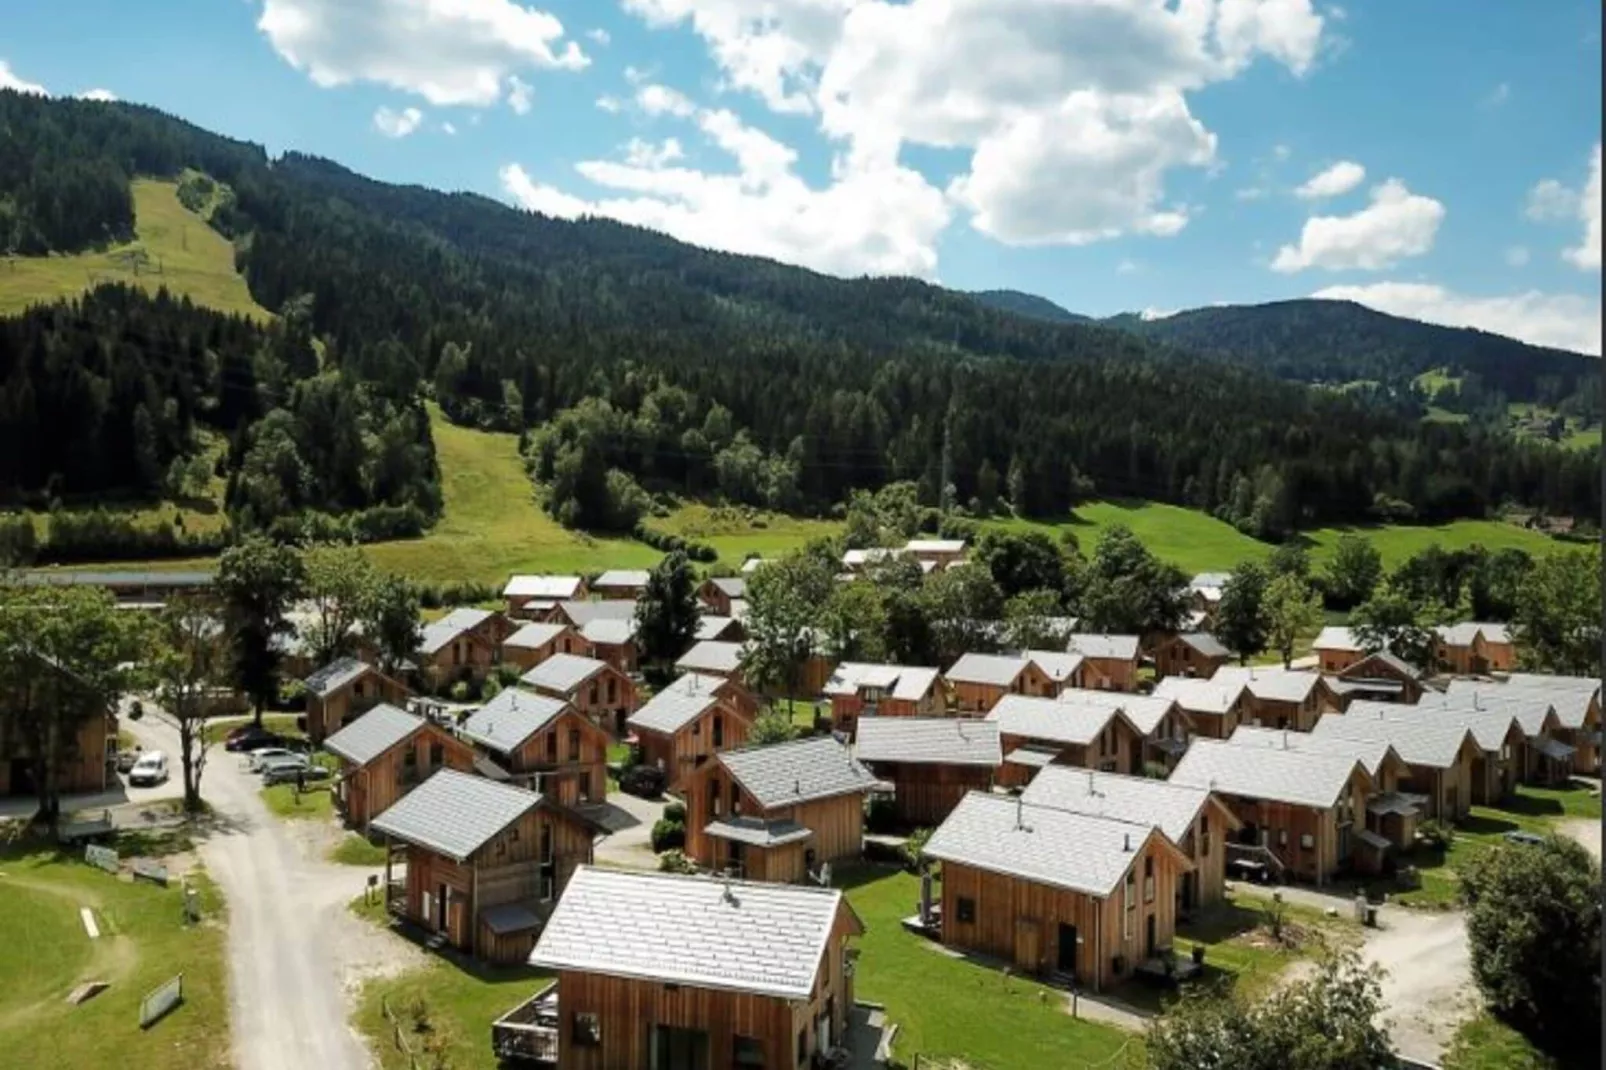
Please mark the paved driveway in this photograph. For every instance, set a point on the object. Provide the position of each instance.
(629, 821)
(291, 940)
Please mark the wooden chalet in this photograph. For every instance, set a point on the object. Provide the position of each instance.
(528, 597)
(1442, 758)
(536, 641)
(386, 753)
(978, 681)
(543, 742)
(1036, 732)
(344, 690)
(485, 861)
(723, 629)
(86, 762)
(1475, 648)
(580, 612)
(728, 975)
(940, 553)
(1521, 736)
(1109, 662)
(931, 762)
(1204, 594)
(777, 813)
(713, 657)
(686, 724)
(1163, 728)
(858, 689)
(133, 589)
(595, 688)
(1297, 809)
(1082, 898)
(466, 644)
(1194, 819)
(1193, 654)
(718, 593)
(1381, 676)
(1576, 700)
(1213, 707)
(627, 584)
(1277, 697)
(1336, 649)
(613, 641)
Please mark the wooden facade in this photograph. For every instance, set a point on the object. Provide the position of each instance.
(678, 754)
(570, 754)
(1109, 674)
(468, 656)
(836, 824)
(520, 605)
(525, 658)
(974, 699)
(1335, 660)
(1174, 656)
(926, 792)
(1042, 929)
(622, 656)
(1376, 667)
(1117, 749)
(364, 791)
(716, 598)
(1314, 844)
(1478, 657)
(607, 696)
(327, 714)
(1296, 716)
(85, 761)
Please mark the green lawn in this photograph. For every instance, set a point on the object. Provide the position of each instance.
(316, 803)
(1486, 1043)
(1433, 381)
(355, 850)
(738, 532)
(172, 247)
(283, 724)
(949, 1008)
(460, 1007)
(44, 953)
(1398, 542)
(1191, 540)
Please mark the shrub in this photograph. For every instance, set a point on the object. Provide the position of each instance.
(667, 835)
(669, 542)
(881, 815)
(915, 847)
(674, 860)
(1436, 835)
(675, 812)
(460, 691)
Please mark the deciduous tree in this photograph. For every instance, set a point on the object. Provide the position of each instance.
(1240, 621)
(1127, 590)
(188, 661)
(391, 620)
(1354, 571)
(783, 600)
(1292, 608)
(340, 585)
(668, 611)
(1558, 619)
(258, 581)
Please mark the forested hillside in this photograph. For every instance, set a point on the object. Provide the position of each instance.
(1024, 304)
(635, 359)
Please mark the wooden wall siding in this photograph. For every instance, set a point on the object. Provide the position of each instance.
(1280, 827)
(1118, 750)
(372, 789)
(621, 656)
(1176, 658)
(607, 699)
(551, 751)
(1205, 845)
(1295, 716)
(567, 641)
(1019, 920)
(837, 824)
(978, 700)
(925, 794)
(327, 716)
(83, 762)
(1336, 661)
(679, 754)
(847, 709)
(716, 600)
(1109, 674)
(1478, 658)
(469, 656)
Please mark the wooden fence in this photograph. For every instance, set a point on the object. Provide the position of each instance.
(398, 1035)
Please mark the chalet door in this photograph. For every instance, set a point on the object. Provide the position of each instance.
(1149, 937)
(1065, 959)
(1186, 891)
(679, 1049)
(442, 894)
(1028, 946)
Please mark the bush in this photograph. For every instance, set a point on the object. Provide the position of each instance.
(881, 815)
(17, 540)
(1436, 835)
(669, 542)
(675, 812)
(98, 535)
(915, 847)
(460, 691)
(667, 835)
(674, 860)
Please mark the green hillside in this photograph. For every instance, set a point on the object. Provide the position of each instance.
(173, 247)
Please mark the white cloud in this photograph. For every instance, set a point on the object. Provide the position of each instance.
(1281, 152)
(1517, 256)
(1565, 321)
(599, 35)
(646, 155)
(450, 52)
(10, 80)
(105, 96)
(1397, 224)
(1128, 267)
(397, 124)
(610, 104)
(1336, 181)
(520, 95)
(1156, 313)
(448, 129)
(1550, 201)
(1586, 254)
(1498, 95)
(661, 100)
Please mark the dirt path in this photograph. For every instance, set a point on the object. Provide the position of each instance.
(1585, 832)
(294, 950)
(1428, 990)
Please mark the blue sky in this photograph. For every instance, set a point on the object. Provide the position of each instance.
(1433, 158)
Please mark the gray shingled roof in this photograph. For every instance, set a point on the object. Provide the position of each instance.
(1057, 665)
(1571, 696)
(582, 613)
(712, 627)
(1029, 717)
(1463, 633)
(534, 635)
(563, 672)
(1206, 644)
(730, 586)
(1198, 696)
(621, 577)
(1419, 740)
(552, 587)
(670, 710)
(908, 682)
(935, 546)
(1144, 711)
(712, 655)
(997, 670)
(1140, 800)
(1371, 753)
(510, 718)
(1297, 777)
(766, 939)
(335, 675)
(1039, 843)
(438, 633)
(787, 773)
(1209, 580)
(1269, 683)
(455, 814)
(1336, 637)
(1389, 658)
(756, 832)
(610, 632)
(928, 740)
(372, 734)
(1116, 647)
(1490, 722)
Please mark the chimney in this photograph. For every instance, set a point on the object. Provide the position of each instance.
(1020, 816)
(1285, 739)
(1126, 844)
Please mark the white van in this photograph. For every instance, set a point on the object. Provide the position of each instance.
(150, 769)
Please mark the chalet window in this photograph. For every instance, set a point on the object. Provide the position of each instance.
(587, 1030)
(513, 834)
(696, 729)
(1148, 879)
(719, 731)
(501, 848)
(736, 798)
(1282, 837)
(612, 690)
(593, 693)
(716, 798)
(1128, 888)
(549, 887)
(546, 842)
(1204, 836)
(1130, 902)
(748, 1051)
(552, 747)
(437, 755)
(1307, 841)
(966, 909)
(802, 1044)
(574, 744)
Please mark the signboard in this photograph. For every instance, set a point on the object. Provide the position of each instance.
(192, 904)
(160, 1000)
(104, 857)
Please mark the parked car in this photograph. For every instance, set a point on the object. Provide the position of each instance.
(285, 761)
(262, 755)
(1530, 839)
(249, 737)
(643, 781)
(127, 758)
(286, 774)
(150, 769)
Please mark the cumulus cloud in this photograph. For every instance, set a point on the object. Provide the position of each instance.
(397, 124)
(661, 100)
(1565, 321)
(105, 96)
(10, 80)
(1517, 256)
(520, 95)
(1550, 201)
(647, 155)
(1336, 181)
(450, 52)
(1396, 225)
(599, 35)
(1586, 254)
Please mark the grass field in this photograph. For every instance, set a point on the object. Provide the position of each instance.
(460, 1007)
(172, 247)
(355, 850)
(1398, 542)
(737, 533)
(314, 804)
(44, 952)
(1191, 540)
(1486, 1043)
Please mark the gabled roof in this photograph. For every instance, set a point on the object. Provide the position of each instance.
(535, 635)
(563, 672)
(1199, 696)
(552, 587)
(1144, 711)
(1419, 740)
(1268, 683)
(372, 734)
(510, 718)
(997, 670)
(1140, 800)
(1490, 718)
(766, 939)
(858, 558)
(1570, 696)
(1334, 637)
(712, 655)
(739, 609)
(1041, 844)
(1297, 777)
(1465, 632)
(786, 773)
(335, 675)
(1215, 580)
(621, 577)
(752, 564)
(928, 741)
(1114, 647)
(582, 613)
(1205, 643)
(730, 586)
(1058, 665)
(692, 683)
(438, 633)
(670, 710)
(1383, 657)
(712, 627)
(908, 682)
(455, 814)
(934, 546)
(1371, 753)
(1027, 717)
(610, 632)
